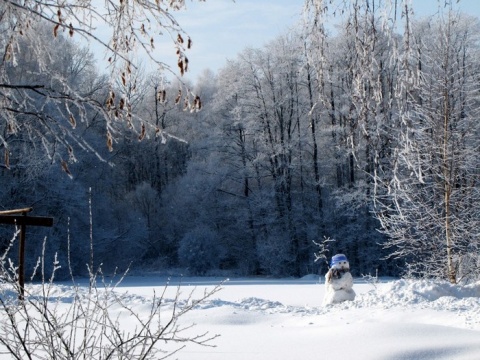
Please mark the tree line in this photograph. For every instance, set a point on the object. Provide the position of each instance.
(364, 133)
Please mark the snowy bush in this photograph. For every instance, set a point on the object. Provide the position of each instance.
(200, 250)
(83, 321)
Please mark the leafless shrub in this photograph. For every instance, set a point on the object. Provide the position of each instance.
(85, 322)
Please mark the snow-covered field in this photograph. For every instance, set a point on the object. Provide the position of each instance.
(284, 319)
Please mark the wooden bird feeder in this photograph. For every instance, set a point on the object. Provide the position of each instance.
(20, 218)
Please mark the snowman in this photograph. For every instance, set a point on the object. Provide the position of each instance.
(338, 281)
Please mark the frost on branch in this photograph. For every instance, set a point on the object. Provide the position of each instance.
(85, 321)
(321, 254)
(48, 100)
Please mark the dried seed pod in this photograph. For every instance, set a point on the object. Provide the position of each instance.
(55, 30)
(70, 30)
(109, 141)
(8, 51)
(7, 158)
(142, 133)
(189, 43)
(179, 97)
(180, 66)
(10, 128)
(66, 169)
(110, 100)
(180, 39)
(161, 96)
(129, 116)
(72, 121)
(197, 103)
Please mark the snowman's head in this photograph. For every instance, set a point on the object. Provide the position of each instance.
(340, 262)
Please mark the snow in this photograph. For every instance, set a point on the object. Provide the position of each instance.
(338, 287)
(284, 319)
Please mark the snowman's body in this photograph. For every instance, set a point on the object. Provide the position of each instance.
(338, 282)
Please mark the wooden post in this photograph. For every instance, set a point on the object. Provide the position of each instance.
(7, 217)
(18, 211)
(21, 260)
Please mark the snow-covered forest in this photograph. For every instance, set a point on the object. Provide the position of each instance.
(359, 126)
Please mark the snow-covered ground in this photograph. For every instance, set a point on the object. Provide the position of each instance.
(284, 319)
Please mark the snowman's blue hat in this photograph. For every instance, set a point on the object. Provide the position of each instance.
(338, 258)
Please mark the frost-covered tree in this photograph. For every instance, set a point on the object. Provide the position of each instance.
(46, 106)
(352, 101)
(429, 206)
(263, 105)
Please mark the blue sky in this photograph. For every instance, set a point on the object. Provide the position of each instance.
(430, 7)
(220, 29)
